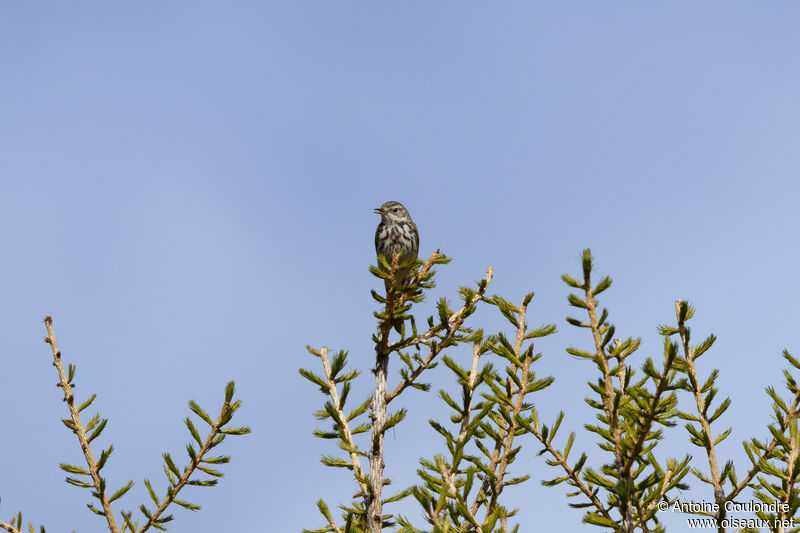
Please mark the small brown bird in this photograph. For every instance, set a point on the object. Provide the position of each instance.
(398, 234)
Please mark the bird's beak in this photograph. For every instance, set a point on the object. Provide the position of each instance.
(379, 211)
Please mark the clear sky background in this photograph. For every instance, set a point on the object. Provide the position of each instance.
(187, 188)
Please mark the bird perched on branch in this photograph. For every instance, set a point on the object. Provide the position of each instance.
(398, 234)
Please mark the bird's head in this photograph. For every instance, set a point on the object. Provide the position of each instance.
(392, 212)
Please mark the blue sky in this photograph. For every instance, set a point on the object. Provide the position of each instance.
(187, 187)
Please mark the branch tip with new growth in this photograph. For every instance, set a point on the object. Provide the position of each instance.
(79, 429)
(453, 323)
(337, 404)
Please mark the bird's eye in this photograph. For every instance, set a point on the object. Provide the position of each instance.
(395, 209)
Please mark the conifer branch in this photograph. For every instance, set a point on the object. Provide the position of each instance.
(785, 489)
(472, 382)
(395, 303)
(15, 526)
(769, 449)
(628, 412)
(610, 406)
(333, 524)
(216, 435)
(662, 493)
(394, 300)
(10, 527)
(373, 497)
(790, 477)
(602, 359)
(178, 481)
(448, 474)
(89, 431)
(507, 447)
(683, 312)
(509, 412)
(337, 405)
(79, 429)
(397, 297)
(454, 322)
(786, 451)
(649, 416)
(571, 472)
(456, 319)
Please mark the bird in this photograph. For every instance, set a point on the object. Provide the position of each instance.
(398, 234)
